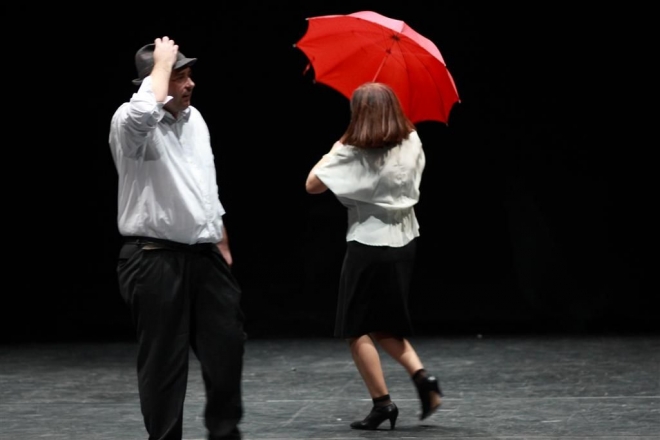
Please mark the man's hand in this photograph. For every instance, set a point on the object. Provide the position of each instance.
(223, 247)
(165, 52)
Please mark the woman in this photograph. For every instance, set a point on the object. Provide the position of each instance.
(375, 171)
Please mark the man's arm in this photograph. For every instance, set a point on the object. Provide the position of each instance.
(165, 52)
(132, 124)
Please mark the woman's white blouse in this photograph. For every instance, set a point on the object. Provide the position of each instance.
(379, 188)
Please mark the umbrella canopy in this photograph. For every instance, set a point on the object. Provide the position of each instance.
(347, 51)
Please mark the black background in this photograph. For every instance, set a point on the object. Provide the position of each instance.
(536, 201)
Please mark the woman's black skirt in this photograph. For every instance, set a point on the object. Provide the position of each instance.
(373, 290)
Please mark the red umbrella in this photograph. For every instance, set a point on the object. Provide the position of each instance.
(347, 51)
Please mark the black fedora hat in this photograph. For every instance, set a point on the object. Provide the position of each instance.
(144, 62)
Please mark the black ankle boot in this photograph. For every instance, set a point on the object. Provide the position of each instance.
(377, 416)
(426, 386)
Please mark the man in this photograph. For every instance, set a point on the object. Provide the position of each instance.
(174, 267)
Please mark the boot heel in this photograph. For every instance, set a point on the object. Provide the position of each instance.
(378, 416)
(425, 389)
(393, 421)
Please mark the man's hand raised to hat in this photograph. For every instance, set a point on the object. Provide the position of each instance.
(165, 53)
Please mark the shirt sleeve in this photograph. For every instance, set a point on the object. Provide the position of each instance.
(134, 121)
(341, 172)
(387, 178)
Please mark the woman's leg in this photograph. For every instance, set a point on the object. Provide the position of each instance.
(366, 359)
(403, 352)
(400, 350)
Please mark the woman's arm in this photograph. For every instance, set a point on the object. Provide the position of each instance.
(314, 185)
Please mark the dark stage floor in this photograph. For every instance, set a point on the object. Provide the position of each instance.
(556, 387)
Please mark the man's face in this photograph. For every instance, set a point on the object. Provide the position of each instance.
(180, 89)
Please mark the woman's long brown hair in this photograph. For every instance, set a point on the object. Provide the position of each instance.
(377, 119)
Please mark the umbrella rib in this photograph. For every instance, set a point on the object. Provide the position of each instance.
(382, 63)
(393, 37)
(388, 35)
